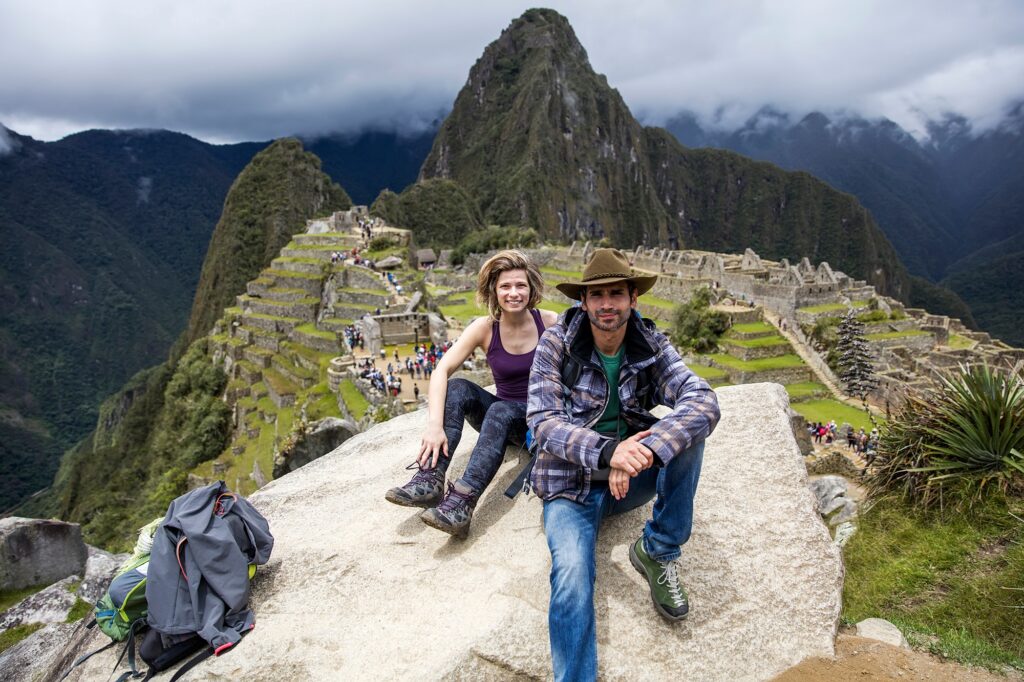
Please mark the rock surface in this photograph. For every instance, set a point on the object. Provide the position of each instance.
(48, 605)
(361, 589)
(39, 552)
(883, 631)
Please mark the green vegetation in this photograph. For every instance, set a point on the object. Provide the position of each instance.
(12, 636)
(561, 275)
(708, 373)
(956, 444)
(462, 308)
(491, 239)
(959, 342)
(554, 306)
(949, 580)
(760, 365)
(895, 335)
(806, 389)
(439, 212)
(354, 400)
(752, 328)
(270, 201)
(822, 410)
(759, 342)
(79, 610)
(695, 325)
(832, 307)
(9, 598)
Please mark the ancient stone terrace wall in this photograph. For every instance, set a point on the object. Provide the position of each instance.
(404, 328)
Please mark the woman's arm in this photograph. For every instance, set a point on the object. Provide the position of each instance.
(434, 442)
(548, 317)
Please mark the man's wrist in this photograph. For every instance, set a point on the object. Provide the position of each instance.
(607, 450)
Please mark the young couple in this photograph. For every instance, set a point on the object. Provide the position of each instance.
(599, 450)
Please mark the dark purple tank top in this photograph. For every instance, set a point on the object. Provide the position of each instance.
(511, 372)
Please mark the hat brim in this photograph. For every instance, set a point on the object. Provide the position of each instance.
(643, 283)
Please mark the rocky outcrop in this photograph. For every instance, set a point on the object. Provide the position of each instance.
(321, 437)
(39, 552)
(359, 588)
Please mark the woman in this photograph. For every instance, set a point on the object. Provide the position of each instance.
(511, 287)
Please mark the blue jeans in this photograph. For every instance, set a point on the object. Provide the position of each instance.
(499, 422)
(571, 529)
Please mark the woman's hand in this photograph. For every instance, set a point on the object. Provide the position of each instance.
(432, 444)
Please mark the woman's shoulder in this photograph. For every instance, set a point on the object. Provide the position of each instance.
(548, 317)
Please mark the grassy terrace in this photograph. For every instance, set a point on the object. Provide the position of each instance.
(895, 335)
(281, 384)
(709, 373)
(805, 389)
(553, 306)
(824, 409)
(310, 329)
(557, 274)
(759, 342)
(308, 300)
(761, 365)
(829, 307)
(752, 327)
(463, 311)
(288, 274)
(958, 342)
(354, 400)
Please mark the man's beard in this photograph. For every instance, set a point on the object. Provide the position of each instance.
(607, 325)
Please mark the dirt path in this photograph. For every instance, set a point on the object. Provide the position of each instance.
(860, 659)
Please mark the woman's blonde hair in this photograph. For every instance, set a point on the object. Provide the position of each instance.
(503, 261)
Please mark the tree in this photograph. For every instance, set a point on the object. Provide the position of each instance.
(856, 369)
(695, 325)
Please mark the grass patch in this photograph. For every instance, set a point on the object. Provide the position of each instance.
(958, 342)
(752, 327)
(80, 610)
(663, 303)
(560, 275)
(825, 409)
(942, 577)
(310, 329)
(354, 400)
(554, 306)
(759, 342)
(829, 307)
(466, 308)
(322, 403)
(759, 365)
(805, 389)
(708, 373)
(10, 637)
(9, 598)
(289, 274)
(895, 335)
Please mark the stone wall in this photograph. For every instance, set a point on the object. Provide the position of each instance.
(404, 328)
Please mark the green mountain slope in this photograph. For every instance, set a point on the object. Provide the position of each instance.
(268, 203)
(539, 139)
(169, 418)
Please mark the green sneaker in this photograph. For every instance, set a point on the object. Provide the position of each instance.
(666, 591)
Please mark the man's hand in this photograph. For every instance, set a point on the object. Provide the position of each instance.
(632, 456)
(433, 443)
(618, 483)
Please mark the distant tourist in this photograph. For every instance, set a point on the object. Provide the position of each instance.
(510, 286)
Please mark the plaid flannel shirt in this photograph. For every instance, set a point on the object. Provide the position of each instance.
(561, 417)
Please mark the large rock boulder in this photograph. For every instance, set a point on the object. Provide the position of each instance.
(358, 588)
(320, 438)
(39, 552)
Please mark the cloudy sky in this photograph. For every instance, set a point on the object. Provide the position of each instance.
(230, 70)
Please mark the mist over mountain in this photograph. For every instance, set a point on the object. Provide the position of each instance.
(943, 202)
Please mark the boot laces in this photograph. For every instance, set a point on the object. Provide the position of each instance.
(453, 499)
(670, 579)
(427, 476)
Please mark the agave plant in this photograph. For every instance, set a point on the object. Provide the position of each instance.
(961, 440)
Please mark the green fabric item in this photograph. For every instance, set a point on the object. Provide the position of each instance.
(609, 422)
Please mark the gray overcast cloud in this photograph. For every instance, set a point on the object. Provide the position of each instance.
(230, 70)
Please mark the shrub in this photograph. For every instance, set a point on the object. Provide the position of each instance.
(695, 325)
(961, 440)
(491, 239)
(382, 243)
(873, 316)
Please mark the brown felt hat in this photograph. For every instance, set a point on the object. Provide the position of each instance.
(605, 267)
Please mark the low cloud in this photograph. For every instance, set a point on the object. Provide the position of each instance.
(7, 143)
(243, 71)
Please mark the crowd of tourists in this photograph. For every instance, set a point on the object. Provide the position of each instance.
(859, 441)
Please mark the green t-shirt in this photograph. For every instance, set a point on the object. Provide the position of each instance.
(609, 423)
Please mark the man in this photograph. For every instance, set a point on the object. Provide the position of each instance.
(595, 376)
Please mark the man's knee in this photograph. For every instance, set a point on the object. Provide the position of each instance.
(572, 574)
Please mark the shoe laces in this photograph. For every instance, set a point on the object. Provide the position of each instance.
(428, 476)
(670, 579)
(453, 499)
